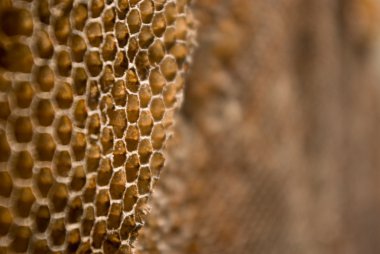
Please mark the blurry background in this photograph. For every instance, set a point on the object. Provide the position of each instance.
(277, 149)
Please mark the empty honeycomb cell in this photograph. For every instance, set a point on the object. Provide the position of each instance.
(156, 52)
(104, 172)
(64, 129)
(132, 167)
(169, 68)
(44, 45)
(79, 80)
(127, 226)
(64, 63)
(5, 110)
(179, 82)
(111, 244)
(117, 185)
(102, 203)
(119, 93)
(90, 190)
(6, 220)
(75, 210)
(133, 48)
(59, 196)
(18, 51)
(169, 37)
(132, 138)
(24, 94)
(147, 10)
(145, 95)
(23, 165)
(23, 129)
(45, 78)
(64, 95)
(62, 29)
(17, 21)
(141, 210)
(146, 37)
(122, 33)
(171, 13)
(96, 7)
(109, 48)
(94, 63)
(58, 232)
(85, 247)
(159, 4)
(88, 220)
(98, 234)
(118, 121)
(42, 218)
(24, 201)
(64, 5)
(156, 163)
(181, 28)
(78, 47)
(73, 241)
(93, 95)
(5, 83)
(168, 119)
(6, 184)
(44, 180)
(45, 112)
(5, 150)
(106, 140)
(21, 238)
(132, 81)
(142, 65)
(106, 106)
(119, 154)
(157, 81)
(114, 217)
(179, 51)
(40, 246)
(109, 17)
(94, 125)
(133, 108)
(145, 123)
(62, 162)
(158, 24)
(157, 108)
(169, 94)
(43, 11)
(80, 16)
(78, 145)
(80, 113)
(45, 147)
(130, 198)
(78, 179)
(145, 149)
(144, 180)
(107, 79)
(93, 158)
(120, 64)
(123, 6)
(94, 34)
(134, 21)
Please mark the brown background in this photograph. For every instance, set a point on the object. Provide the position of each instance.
(277, 149)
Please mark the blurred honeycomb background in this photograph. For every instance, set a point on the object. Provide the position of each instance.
(278, 146)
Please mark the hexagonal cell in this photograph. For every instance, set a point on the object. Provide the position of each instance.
(80, 16)
(109, 16)
(78, 179)
(134, 21)
(145, 150)
(94, 125)
(64, 129)
(5, 110)
(79, 80)
(94, 33)
(117, 185)
(119, 154)
(23, 165)
(44, 112)
(58, 232)
(45, 147)
(62, 28)
(96, 7)
(109, 47)
(43, 11)
(107, 79)
(64, 64)
(42, 218)
(118, 121)
(157, 108)
(59, 196)
(98, 234)
(62, 163)
(142, 65)
(133, 108)
(170, 95)
(144, 180)
(159, 24)
(93, 95)
(147, 10)
(130, 198)
(6, 184)
(21, 238)
(156, 163)
(93, 158)
(169, 68)
(64, 95)
(40, 246)
(24, 94)
(24, 201)
(107, 140)
(6, 220)
(90, 190)
(119, 93)
(122, 33)
(17, 21)
(156, 52)
(132, 138)
(111, 244)
(132, 167)
(94, 63)
(104, 172)
(73, 240)
(145, 95)
(127, 227)
(75, 210)
(78, 47)
(102, 203)
(181, 28)
(88, 220)
(18, 51)
(133, 47)
(146, 37)
(44, 45)
(114, 217)
(5, 149)
(44, 180)
(78, 145)
(145, 122)
(45, 78)
(157, 81)
(120, 64)
(80, 113)
(170, 13)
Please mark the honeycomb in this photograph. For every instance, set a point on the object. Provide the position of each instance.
(88, 92)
